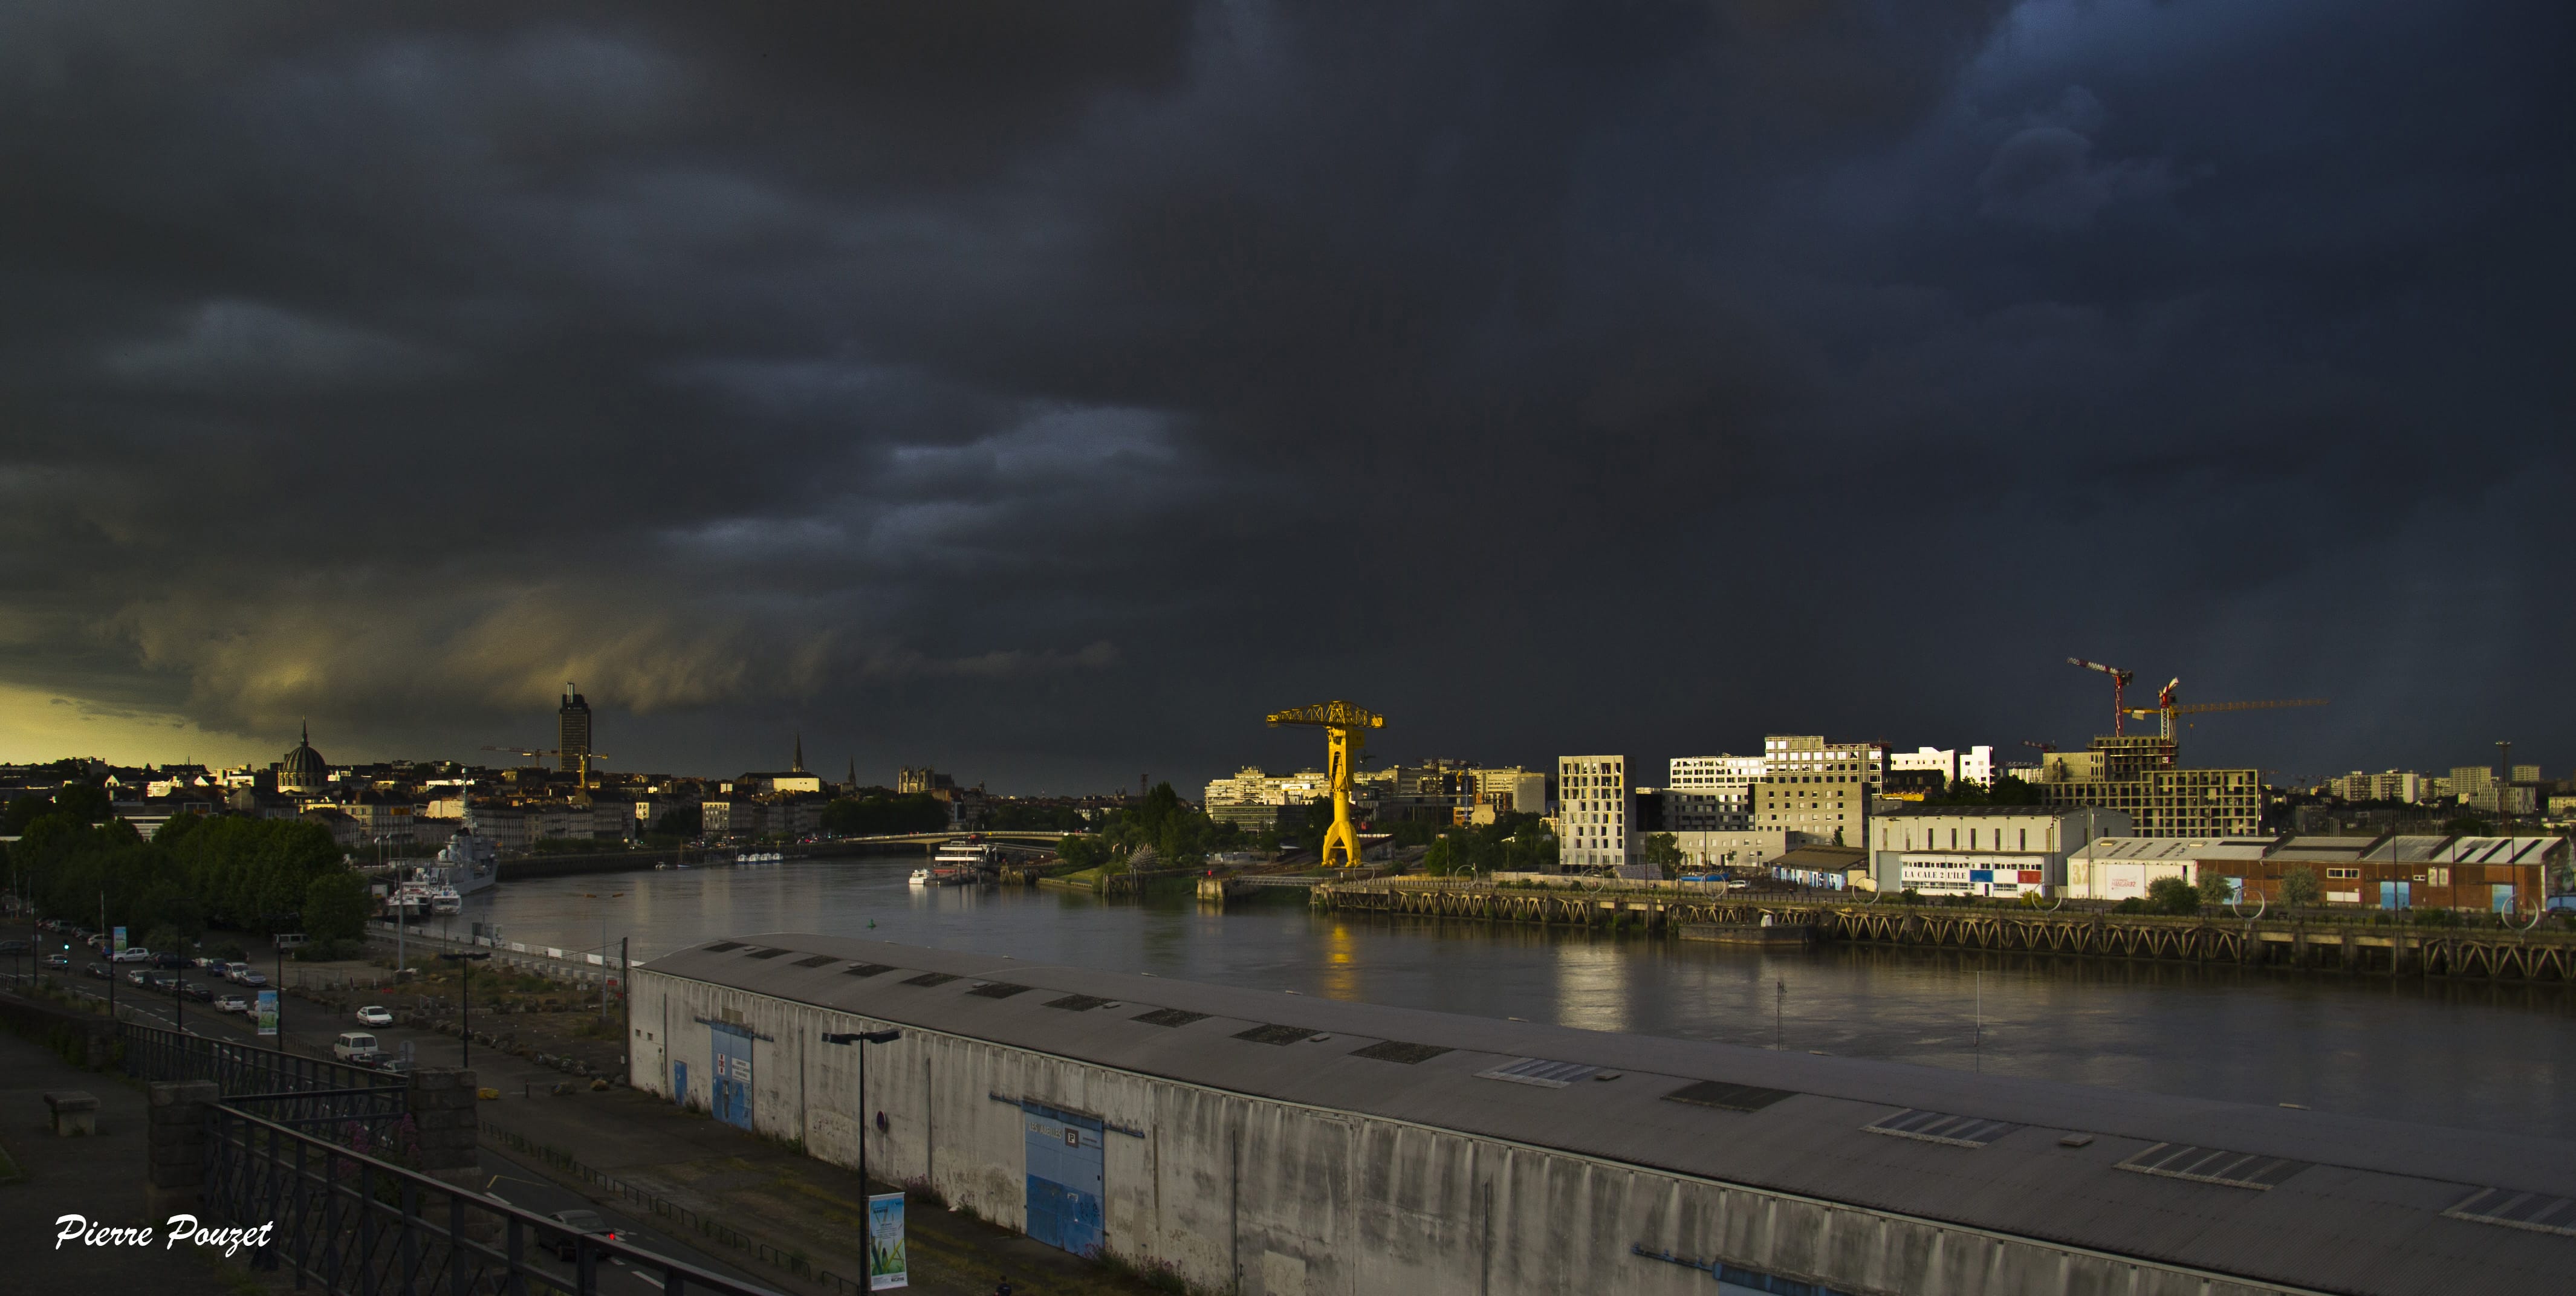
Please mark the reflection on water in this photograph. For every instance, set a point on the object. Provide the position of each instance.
(2468, 1053)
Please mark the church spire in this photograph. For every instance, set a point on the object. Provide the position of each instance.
(799, 766)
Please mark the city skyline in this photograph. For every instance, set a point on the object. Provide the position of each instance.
(1051, 399)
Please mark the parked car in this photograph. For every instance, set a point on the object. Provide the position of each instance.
(138, 976)
(197, 992)
(372, 1015)
(577, 1223)
(99, 970)
(394, 1066)
(356, 1046)
(170, 961)
(63, 961)
(252, 979)
(232, 1003)
(133, 954)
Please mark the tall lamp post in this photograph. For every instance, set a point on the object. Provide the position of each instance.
(861, 1039)
(465, 997)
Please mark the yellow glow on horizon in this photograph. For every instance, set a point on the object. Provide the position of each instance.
(40, 725)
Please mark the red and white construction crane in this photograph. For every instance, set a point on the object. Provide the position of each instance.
(2119, 688)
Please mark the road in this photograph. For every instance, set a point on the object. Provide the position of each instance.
(310, 1029)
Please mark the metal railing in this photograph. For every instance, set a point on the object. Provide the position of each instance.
(357, 1225)
(159, 1053)
(789, 1261)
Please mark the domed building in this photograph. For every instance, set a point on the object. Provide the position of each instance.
(303, 770)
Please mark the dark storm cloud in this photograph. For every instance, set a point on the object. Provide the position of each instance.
(1050, 390)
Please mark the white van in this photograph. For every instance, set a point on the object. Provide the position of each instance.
(356, 1046)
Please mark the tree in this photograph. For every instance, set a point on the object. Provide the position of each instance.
(873, 814)
(2173, 896)
(2299, 888)
(335, 907)
(24, 809)
(1440, 858)
(2217, 890)
(84, 802)
(684, 821)
(1664, 852)
(1082, 852)
(2469, 825)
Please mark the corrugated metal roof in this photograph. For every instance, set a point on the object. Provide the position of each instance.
(2367, 1214)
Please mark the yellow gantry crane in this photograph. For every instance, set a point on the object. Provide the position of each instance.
(1345, 730)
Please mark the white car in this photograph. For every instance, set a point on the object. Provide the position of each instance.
(133, 954)
(371, 1015)
(232, 1003)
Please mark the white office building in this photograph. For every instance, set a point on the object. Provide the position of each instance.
(1595, 814)
(1984, 850)
(1965, 765)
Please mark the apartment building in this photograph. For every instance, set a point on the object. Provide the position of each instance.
(1711, 794)
(1818, 788)
(1596, 813)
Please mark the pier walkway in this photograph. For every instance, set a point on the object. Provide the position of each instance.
(2316, 939)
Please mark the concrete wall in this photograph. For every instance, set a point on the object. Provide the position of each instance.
(1269, 1198)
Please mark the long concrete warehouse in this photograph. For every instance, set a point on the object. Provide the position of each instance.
(1273, 1144)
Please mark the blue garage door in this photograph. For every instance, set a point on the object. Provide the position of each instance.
(680, 1083)
(1064, 1178)
(729, 1089)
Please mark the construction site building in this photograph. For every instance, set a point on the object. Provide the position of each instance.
(2135, 774)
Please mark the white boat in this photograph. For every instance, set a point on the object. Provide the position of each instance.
(446, 900)
(411, 900)
(921, 877)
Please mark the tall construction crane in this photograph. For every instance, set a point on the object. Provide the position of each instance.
(2119, 688)
(1345, 729)
(2166, 708)
(581, 763)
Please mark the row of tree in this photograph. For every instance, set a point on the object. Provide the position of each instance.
(1179, 836)
(74, 860)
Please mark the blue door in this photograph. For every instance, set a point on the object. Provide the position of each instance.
(1064, 1178)
(2396, 895)
(680, 1083)
(729, 1094)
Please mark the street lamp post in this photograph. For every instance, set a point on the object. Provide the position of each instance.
(861, 1040)
(465, 999)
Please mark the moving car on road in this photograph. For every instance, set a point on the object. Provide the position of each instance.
(58, 961)
(98, 970)
(232, 1003)
(356, 1046)
(577, 1223)
(372, 1015)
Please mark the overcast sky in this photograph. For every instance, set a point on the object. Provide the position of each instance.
(1047, 391)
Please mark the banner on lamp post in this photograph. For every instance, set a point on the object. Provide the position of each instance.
(116, 943)
(887, 1266)
(267, 1012)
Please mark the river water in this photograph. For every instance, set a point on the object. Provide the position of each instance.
(2489, 1056)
